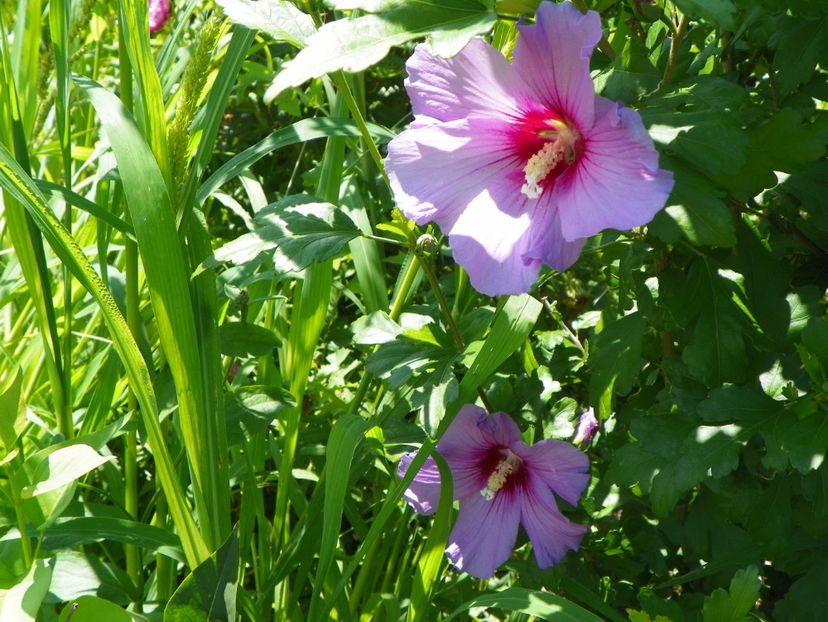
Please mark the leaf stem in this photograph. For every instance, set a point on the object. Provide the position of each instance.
(675, 43)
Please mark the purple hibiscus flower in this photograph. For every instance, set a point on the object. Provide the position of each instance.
(159, 13)
(519, 163)
(587, 427)
(500, 483)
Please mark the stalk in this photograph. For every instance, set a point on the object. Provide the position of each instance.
(131, 551)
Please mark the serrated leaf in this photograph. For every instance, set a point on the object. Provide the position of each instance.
(614, 356)
(375, 328)
(278, 18)
(698, 210)
(301, 229)
(356, 44)
(733, 605)
(719, 148)
(799, 43)
(672, 456)
(720, 12)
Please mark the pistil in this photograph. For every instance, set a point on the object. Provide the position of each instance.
(560, 147)
(497, 480)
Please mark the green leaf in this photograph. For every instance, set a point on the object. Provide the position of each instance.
(82, 574)
(799, 43)
(375, 329)
(733, 605)
(345, 437)
(543, 605)
(719, 148)
(21, 602)
(301, 229)
(356, 44)
(510, 328)
(60, 468)
(715, 352)
(209, 592)
(696, 208)
(73, 532)
(93, 609)
(672, 455)
(720, 12)
(299, 132)
(785, 142)
(244, 339)
(433, 556)
(12, 416)
(807, 598)
(615, 356)
(278, 18)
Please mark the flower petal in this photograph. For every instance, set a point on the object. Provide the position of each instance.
(436, 169)
(546, 243)
(559, 465)
(553, 55)
(616, 182)
(478, 80)
(490, 242)
(484, 534)
(423, 494)
(551, 534)
(467, 441)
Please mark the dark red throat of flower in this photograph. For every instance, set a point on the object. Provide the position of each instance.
(548, 144)
(505, 469)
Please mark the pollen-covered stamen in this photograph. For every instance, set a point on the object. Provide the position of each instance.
(497, 480)
(560, 147)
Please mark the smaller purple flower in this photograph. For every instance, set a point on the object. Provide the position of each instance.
(159, 13)
(587, 427)
(501, 483)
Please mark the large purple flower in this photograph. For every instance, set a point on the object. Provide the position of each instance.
(501, 482)
(519, 163)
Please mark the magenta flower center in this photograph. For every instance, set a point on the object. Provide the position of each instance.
(549, 144)
(507, 466)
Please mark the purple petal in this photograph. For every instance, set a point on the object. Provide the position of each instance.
(546, 243)
(484, 534)
(587, 427)
(553, 55)
(423, 494)
(490, 243)
(559, 465)
(616, 182)
(436, 169)
(551, 534)
(466, 443)
(477, 80)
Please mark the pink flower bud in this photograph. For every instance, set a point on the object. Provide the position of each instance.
(159, 13)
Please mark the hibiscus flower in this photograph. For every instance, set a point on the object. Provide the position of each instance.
(500, 483)
(520, 162)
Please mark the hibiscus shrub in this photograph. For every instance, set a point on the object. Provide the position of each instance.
(414, 310)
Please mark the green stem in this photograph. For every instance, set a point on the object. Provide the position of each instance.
(675, 43)
(25, 541)
(131, 552)
(428, 269)
(353, 107)
(394, 313)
